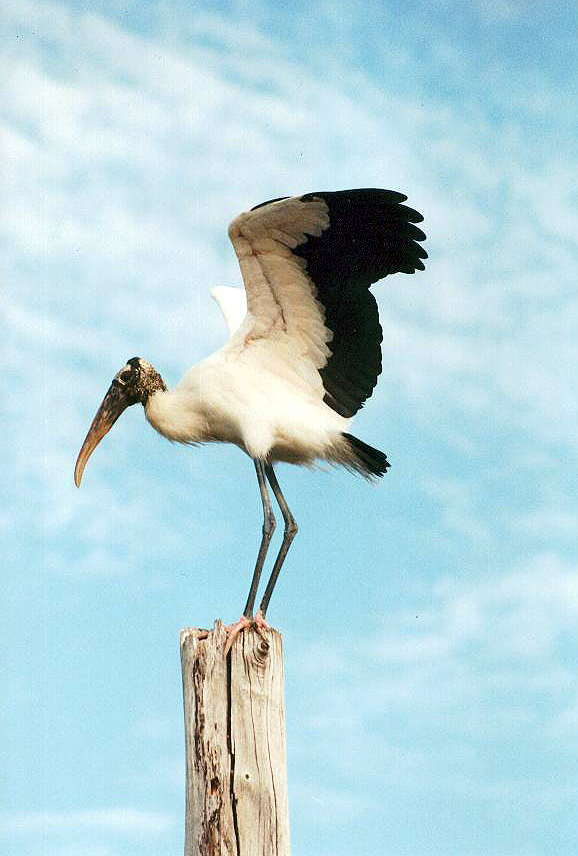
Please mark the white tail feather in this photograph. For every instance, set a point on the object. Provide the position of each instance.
(232, 303)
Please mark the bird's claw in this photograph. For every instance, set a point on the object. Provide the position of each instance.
(258, 623)
(233, 631)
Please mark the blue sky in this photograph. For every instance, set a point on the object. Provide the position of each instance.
(429, 622)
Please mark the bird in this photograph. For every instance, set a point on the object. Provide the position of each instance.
(303, 356)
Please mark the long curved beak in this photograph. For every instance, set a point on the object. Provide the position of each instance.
(114, 402)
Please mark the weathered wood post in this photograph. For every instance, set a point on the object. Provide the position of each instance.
(236, 784)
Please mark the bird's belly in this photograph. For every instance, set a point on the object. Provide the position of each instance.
(299, 430)
(294, 453)
(309, 435)
(266, 416)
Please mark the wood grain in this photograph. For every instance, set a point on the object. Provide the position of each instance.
(236, 783)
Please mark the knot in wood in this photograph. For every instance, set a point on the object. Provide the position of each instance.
(262, 652)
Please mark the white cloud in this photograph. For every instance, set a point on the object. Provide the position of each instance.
(153, 727)
(480, 659)
(498, 10)
(330, 806)
(125, 156)
(139, 134)
(126, 821)
(86, 848)
(566, 723)
(521, 615)
(123, 165)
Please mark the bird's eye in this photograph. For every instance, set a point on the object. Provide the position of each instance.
(125, 376)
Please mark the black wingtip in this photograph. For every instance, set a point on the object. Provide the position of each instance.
(269, 201)
(360, 195)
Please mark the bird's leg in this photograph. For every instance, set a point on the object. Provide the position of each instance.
(268, 529)
(289, 534)
(246, 619)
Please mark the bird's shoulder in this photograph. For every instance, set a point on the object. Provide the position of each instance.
(278, 226)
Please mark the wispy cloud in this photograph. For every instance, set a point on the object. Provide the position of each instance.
(114, 144)
(125, 155)
(482, 659)
(548, 523)
(121, 155)
(85, 848)
(127, 821)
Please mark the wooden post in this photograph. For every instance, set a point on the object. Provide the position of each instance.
(236, 785)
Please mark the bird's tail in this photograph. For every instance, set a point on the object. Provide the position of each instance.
(365, 459)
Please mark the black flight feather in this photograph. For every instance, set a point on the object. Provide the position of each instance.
(370, 235)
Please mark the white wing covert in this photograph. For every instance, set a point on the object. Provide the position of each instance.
(281, 298)
(233, 304)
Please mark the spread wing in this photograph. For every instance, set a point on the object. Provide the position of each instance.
(307, 264)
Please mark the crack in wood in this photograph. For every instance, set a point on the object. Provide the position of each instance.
(232, 758)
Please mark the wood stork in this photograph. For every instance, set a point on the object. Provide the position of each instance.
(304, 352)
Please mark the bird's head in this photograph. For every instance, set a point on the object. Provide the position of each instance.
(134, 383)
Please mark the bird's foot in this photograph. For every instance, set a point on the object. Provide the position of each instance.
(258, 623)
(233, 631)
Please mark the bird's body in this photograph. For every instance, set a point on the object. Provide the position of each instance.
(248, 398)
(304, 352)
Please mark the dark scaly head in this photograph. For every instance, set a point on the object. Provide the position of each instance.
(134, 383)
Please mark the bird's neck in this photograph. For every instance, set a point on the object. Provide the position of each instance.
(176, 414)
